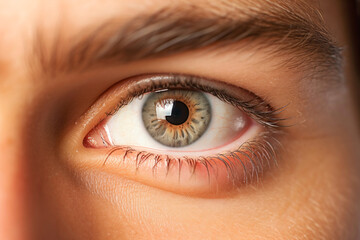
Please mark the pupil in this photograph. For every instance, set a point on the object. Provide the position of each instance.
(179, 113)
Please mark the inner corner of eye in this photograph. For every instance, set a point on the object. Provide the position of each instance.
(172, 120)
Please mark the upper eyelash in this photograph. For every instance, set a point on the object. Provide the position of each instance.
(256, 107)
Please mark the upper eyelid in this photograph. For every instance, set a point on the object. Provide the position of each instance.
(250, 103)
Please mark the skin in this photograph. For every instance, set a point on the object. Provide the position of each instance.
(49, 189)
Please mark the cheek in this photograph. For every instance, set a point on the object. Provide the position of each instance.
(308, 197)
(319, 190)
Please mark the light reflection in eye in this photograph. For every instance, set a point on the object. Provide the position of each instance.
(189, 129)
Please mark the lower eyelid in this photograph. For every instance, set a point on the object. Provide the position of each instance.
(204, 176)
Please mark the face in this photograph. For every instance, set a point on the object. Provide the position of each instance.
(176, 120)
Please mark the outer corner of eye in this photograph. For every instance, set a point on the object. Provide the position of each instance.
(180, 139)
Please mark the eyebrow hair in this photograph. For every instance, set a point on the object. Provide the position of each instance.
(288, 27)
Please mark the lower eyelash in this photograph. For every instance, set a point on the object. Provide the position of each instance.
(245, 165)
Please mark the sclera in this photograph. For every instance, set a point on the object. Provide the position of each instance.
(126, 128)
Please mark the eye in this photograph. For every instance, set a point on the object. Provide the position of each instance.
(184, 133)
(172, 120)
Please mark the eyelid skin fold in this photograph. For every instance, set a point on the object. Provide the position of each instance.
(206, 174)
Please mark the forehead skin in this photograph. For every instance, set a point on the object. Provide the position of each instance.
(323, 207)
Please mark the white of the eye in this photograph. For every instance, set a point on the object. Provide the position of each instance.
(126, 128)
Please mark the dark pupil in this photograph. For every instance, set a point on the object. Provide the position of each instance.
(179, 113)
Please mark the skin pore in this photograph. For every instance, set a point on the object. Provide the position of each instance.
(58, 58)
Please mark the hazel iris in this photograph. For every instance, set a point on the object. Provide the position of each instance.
(176, 118)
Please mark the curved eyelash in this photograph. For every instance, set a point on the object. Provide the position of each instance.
(262, 153)
(256, 107)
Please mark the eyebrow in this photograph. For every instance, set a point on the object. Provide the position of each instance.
(292, 29)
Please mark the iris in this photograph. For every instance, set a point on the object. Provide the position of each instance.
(176, 118)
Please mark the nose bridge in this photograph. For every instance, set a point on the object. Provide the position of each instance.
(13, 195)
